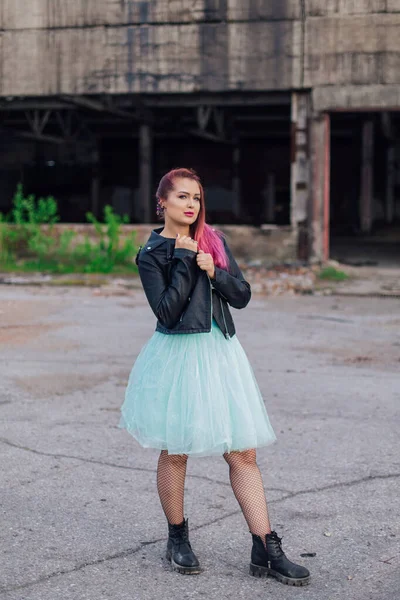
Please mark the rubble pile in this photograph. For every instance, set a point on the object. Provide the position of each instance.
(276, 281)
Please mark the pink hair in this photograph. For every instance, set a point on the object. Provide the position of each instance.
(208, 239)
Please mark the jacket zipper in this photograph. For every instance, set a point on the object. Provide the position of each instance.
(223, 315)
(222, 310)
(211, 307)
(183, 314)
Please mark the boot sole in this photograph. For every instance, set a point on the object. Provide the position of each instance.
(180, 569)
(257, 571)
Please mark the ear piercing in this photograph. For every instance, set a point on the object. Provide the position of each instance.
(159, 209)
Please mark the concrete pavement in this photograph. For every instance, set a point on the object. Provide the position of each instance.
(81, 519)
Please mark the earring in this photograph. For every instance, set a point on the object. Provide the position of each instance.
(159, 209)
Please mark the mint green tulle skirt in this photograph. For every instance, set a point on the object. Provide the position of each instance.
(195, 394)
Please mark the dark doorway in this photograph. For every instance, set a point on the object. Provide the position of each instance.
(365, 188)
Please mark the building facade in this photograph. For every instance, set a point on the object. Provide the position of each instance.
(288, 109)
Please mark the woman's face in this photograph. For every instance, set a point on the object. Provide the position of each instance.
(183, 203)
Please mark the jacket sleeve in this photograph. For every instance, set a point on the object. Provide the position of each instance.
(168, 299)
(231, 284)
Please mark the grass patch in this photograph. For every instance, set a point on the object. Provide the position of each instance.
(33, 267)
(29, 243)
(332, 274)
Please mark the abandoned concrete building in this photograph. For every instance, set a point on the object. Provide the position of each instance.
(288, 109)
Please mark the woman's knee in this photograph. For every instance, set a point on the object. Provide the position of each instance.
(174, 459)
(241, 457)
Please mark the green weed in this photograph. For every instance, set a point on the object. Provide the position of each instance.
(332, 274)
(28, 241)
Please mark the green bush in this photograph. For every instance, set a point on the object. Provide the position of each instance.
(28, 241)
(28, 211)
(103, 255)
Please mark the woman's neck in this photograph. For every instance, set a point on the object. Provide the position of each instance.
(171, 231)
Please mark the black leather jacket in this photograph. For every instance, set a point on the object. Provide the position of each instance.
(182, 296)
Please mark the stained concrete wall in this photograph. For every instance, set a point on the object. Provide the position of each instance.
(42, 14)
(347, 51)
(353, 60)
(90, 46)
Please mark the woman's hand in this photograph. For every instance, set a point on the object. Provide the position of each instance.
(206, 263)
(184, 241)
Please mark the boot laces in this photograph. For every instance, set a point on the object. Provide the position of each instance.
(185, 536)
(276, 542)
(181, 537)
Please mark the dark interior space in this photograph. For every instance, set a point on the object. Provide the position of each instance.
(365, 188)
(259, 159)
(69, 184)
(345, 174)
(87, 158)
(265, 161)
(211, 160)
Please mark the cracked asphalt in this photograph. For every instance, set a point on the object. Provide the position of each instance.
(81, 519)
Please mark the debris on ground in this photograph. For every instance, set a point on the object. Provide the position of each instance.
(278, 280)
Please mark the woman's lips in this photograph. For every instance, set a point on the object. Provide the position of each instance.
(189, 214)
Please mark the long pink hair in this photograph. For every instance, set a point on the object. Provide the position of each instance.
(208, 239)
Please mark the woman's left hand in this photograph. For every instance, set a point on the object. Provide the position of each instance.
(206, 263)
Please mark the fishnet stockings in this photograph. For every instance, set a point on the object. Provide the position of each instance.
(245, 478)
(171, 474)
(247, 485)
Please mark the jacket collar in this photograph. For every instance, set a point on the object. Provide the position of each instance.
(156, 239)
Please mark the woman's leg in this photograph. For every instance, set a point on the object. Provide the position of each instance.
(267, 556)
(249, 491)
(171, 474)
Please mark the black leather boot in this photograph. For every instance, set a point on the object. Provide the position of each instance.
(271, 561)
(179, 550)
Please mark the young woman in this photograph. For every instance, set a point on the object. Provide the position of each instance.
(192, 391)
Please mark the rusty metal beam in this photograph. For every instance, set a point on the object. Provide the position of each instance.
(206, 135)
(327, 186)
(221, 99)
(98, 106)
(40, 125)
(21, 105)
(53, 139)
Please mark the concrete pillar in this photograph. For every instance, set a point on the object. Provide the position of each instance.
(300, 171)
(145, 171)
(390, 181)
(319, 210)
(367, 177)
(269, 198)
(236, 182)
(95, 184)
